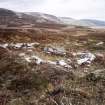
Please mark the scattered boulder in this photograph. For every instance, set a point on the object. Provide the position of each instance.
(55, 51)
(85, 58)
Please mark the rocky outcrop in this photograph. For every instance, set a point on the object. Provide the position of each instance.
(55, 51)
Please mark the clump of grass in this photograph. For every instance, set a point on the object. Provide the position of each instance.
(34, 82)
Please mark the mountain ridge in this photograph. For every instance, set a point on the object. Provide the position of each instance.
(25, 18)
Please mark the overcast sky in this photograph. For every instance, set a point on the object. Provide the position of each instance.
(94, 9)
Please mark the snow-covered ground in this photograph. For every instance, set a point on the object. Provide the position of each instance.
(38, 60)
(85, 58)
(100, 43)
(80, 57)
(56, 51)
(64, 64)
(4, 45)
(19, 45)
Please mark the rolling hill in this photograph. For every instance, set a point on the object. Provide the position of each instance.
(12, 18)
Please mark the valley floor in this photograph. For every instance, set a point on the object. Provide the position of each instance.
(63, 66)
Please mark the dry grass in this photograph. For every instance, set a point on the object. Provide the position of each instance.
(28, 84)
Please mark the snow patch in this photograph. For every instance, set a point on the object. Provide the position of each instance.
(37, 59)
(4, 45)
(22, 54)
(51, 62)
(85, 58)
(64, 64)
(19, 45)
(27, 59)
(56, 51)
(100, 43)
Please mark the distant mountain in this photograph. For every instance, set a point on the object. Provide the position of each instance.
(95, 22)
(67, 20)
(71, 21)
(7, 16)
(44, 18)
(82, 22)
(12, 18)
(6, 12)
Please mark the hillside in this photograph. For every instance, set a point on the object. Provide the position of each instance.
(95, 22)
(45, 18)
(46, 63)
(35, 19)
(52, 66)
(83, 22)
(12, 18)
